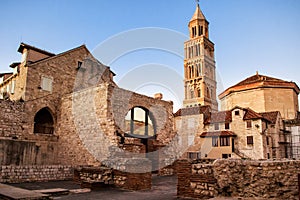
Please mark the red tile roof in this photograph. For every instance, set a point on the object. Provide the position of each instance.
(193, 111)
(260, 81)
(218, 133)
(216, 117)
(270, 116)
(251, 114)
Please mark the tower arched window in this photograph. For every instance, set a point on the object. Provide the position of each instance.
(192, 93)
(198, 92)
(208, 92)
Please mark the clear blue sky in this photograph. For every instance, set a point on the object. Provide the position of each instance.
(249, 35)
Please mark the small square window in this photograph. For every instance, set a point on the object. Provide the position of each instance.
(79, 64)
(250, 140)
(237, 112)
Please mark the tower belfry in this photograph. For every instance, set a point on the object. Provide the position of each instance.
(199, 64)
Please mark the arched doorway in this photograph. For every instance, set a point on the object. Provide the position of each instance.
(43, 122)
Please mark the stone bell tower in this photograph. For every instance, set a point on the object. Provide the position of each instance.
(199, 64)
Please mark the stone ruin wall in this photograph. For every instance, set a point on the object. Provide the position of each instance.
(17, 145)
(238, 178)
(87, 114)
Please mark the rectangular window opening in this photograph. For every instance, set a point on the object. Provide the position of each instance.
(227, 126)
(250, 140)
(215, 141)
(224, 141)
(249, 123)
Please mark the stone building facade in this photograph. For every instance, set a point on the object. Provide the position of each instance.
(263, 94)
(66, 109)
(238, 133)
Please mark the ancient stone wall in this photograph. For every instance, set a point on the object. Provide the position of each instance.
(32, 173)
(238, 178)
(196, 179)
(264, 179)
(12, 119)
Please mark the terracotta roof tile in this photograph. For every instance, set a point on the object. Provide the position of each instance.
(251, 114)
(218, 133)
(216, 117)
(270, 116)
(192, 111)
(258, 81)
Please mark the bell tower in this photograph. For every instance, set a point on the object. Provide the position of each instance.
(199, 64)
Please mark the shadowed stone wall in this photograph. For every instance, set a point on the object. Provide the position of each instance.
(238, 178)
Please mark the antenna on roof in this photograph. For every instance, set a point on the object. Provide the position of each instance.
(257, 73)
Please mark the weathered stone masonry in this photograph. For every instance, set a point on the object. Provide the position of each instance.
(238, 178)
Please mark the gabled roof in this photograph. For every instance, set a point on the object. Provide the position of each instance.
(60, 54)
(270, 116)
(193, 111)
(260, 81)
(251, 114)
(27, 46)
(217, 117)
(218, 134)
(198, 15)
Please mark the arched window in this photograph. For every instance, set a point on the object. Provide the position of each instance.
(138, 123)
(198, 92)
(208, 92)
(43, 122)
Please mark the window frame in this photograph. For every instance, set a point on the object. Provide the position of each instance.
(227, 125)
(248, 124)
(224, 141)
(250, 140)
(215, 141)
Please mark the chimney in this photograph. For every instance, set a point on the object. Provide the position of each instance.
(158, 96)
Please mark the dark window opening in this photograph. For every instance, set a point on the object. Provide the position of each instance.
(268, 140)
(237, 112)
(79, 64)
(43, 122)
(225, 156)
(224, 141)
(249, 123)
(227, 126)
(199, 92)
(250, 140)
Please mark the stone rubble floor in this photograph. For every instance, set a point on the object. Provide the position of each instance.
(162, 188)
